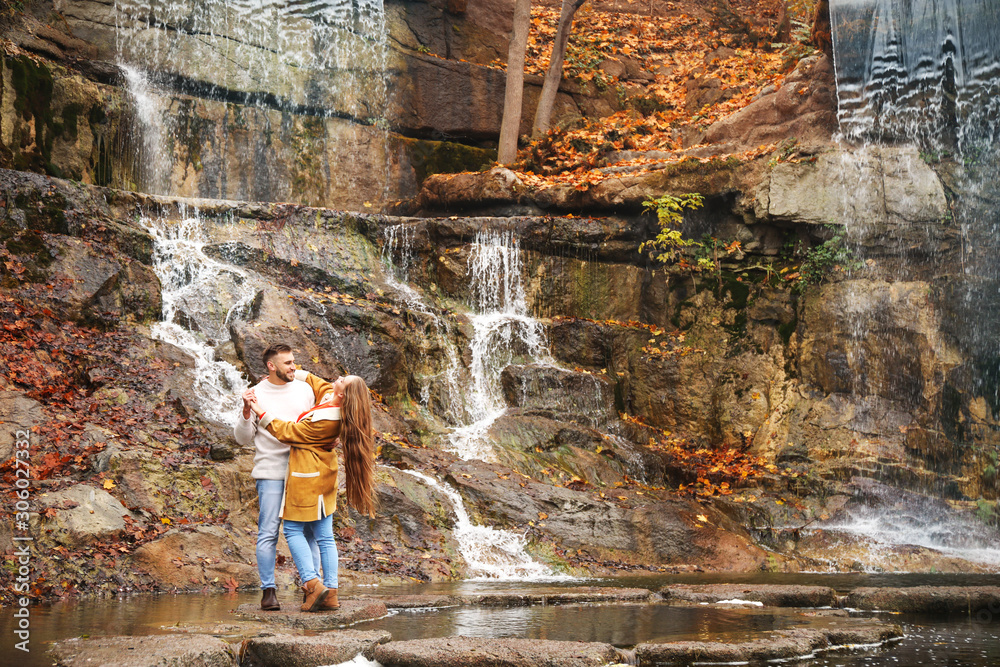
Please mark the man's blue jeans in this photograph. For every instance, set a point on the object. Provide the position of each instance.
(304, 557)
(269, 493)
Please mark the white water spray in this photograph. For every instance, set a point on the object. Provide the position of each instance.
(149, 133)
(200, 298)
(502, 331)
(491, 554)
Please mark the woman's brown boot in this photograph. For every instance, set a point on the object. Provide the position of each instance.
(315, 594)
(331, 601)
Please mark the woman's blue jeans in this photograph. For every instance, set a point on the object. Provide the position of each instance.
(322, 531)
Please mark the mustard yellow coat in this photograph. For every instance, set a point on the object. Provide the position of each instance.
(311, 483)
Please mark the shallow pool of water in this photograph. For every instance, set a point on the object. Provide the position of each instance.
(953, 641)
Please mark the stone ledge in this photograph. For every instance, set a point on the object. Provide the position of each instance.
(483, 652)
(150, 651)
(769, 595)
(521, 598)
(307, 651)
(927, 599)
(779, 645)
(350, 612)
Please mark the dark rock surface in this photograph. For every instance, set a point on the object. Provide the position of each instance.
(480, 652)
(153, 651)
(560, 394)
(770, 595)
(664, 531)
(970, 600)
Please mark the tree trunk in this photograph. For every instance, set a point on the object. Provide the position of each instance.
(547, 100)
(510, 126)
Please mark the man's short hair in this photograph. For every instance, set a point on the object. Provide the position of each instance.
(275, 350)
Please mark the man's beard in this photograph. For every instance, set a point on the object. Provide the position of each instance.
(282, 375)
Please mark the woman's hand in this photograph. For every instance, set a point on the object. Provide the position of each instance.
(255, 406)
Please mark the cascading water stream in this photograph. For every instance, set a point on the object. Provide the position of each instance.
(200, 297)
(919, 84)
(491, 554)
(502, 332)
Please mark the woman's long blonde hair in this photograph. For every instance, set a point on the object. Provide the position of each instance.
(359, 445)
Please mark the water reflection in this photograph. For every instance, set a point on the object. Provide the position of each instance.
(622, 625)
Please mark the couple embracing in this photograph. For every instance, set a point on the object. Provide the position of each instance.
(295, 420)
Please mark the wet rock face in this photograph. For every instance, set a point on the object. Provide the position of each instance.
(566, 396)
(780, 645)
(58, 122)
(663, 532)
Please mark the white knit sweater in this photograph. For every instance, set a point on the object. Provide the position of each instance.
(287, 402)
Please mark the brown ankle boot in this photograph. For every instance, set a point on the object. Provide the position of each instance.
(315, 594)
(331, 601)
(269, 600)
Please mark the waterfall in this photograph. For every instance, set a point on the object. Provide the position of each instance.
(149, 135)
(200, 298)
(490, 553)
(261, 99)
(502, 332)
(926, 74)
(926, 70)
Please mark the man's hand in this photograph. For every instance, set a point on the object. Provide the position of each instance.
(249, 397)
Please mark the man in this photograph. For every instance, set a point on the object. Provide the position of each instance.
(286, 398)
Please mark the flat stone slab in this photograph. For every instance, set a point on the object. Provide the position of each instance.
(777, 645)
(768, 595)
(330, 648)
(351, 611)
(518, 598)
(416, 601)
(566, 596)
(150, 651)
(487, 652)
(971, 600)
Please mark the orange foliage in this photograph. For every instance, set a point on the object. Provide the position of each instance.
(658, 58)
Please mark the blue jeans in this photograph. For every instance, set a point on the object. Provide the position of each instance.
(269, 493)
(303, 556)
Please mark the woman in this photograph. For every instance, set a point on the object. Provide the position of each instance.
(311, 486)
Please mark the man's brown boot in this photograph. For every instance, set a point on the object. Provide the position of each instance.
(315, 594)
(269, 600)
(331, 601)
